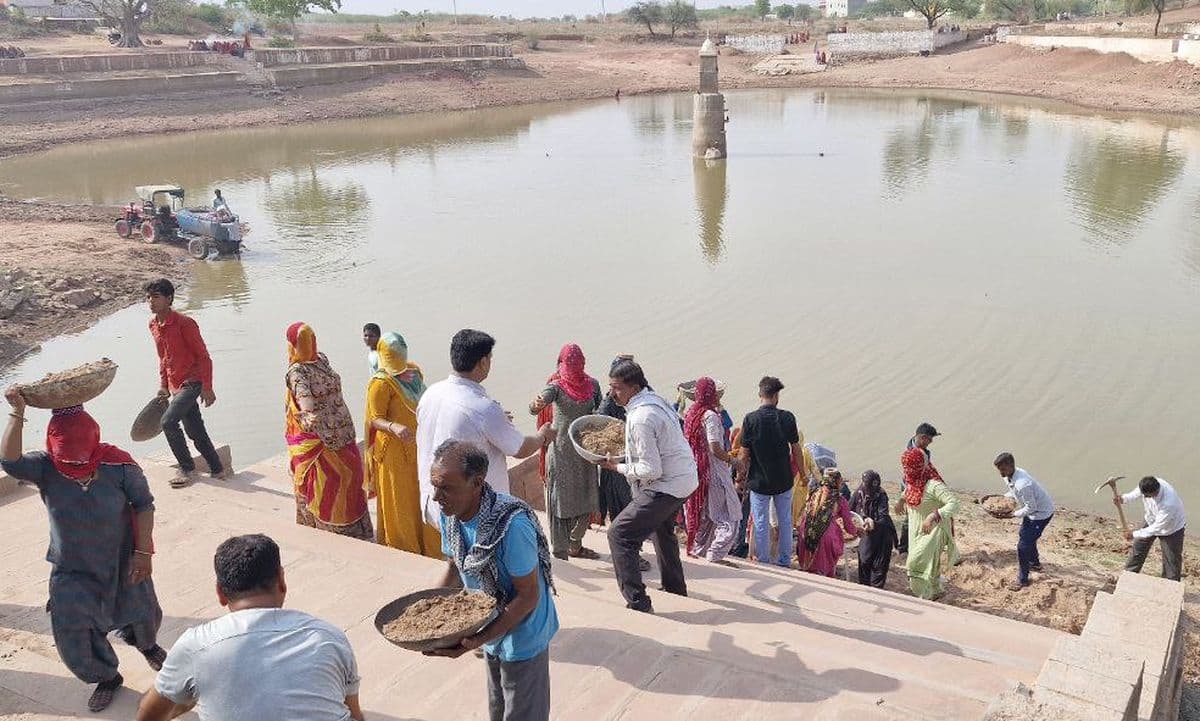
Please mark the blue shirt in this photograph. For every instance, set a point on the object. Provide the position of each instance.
(518, 556)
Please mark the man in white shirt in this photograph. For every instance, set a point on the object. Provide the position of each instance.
(460, 408)
(1165, 520)
(259, 661)
(661, 471)
(1035, 511)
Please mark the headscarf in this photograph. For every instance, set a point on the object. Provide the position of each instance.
(302, 343)
(482, 558)
(73, 442)
(394, 365)
(819, 511)
(570, 376)
(693, 430)
(870, 485)
(918, 471)
(869, 500)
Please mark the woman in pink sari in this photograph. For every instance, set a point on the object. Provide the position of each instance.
(820, 545)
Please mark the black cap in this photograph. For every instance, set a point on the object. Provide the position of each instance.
(926, 430)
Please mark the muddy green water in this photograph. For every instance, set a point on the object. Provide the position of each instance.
(1024, 277)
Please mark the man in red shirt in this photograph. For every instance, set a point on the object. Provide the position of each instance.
(186, 372)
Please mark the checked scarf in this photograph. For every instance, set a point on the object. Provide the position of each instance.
(481, 559)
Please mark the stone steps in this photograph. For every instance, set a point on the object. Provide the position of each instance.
(303, 75)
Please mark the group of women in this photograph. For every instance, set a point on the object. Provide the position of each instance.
(333, 483)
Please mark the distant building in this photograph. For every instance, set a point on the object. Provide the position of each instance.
(51, 9)
(843, 8)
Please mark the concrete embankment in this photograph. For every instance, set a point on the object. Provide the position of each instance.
(65, 64)
(348, 72)
(1150, 50)
(324, 56)
(117, 87)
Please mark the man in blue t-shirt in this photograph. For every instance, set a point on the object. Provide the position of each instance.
(495, 544)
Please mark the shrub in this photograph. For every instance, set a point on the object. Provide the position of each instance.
(378, 36)
(281, 42)
(533, 40)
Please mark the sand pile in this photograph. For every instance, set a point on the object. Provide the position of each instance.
(606, 441)
(439, 617)
(998, 506)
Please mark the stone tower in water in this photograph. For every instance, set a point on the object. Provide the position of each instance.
(708, 113)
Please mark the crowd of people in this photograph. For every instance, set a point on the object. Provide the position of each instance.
(436, 465)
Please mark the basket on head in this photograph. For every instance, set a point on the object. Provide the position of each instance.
(70, 387)
(589, 423)
(148, 423)
(688, 389)
(392, 611)
(998, 506)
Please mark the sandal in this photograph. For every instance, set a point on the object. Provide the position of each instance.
(155, 657)
(1016, 586)
(585, 553)
(103, 695)
(183, 479)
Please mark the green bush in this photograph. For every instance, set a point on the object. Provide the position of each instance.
(217, 16)
(533, 40)
(378, 36)
(280, 42)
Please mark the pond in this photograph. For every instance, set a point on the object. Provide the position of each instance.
(1021, 275)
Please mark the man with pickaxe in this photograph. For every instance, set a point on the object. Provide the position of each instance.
(1165, 520)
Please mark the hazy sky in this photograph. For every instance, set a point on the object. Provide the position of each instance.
(517, 8)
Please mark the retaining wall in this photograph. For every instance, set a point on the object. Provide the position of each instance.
(842, 46)
(56, 64)
(1153, 50)
(117, 87)
(322, 56)
(348, 72)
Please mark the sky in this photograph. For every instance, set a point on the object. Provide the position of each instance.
(516, 8)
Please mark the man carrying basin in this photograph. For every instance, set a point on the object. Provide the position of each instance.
(494, 543)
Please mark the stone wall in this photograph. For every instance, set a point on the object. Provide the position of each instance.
(60, 64)
(1152, 50)
(845, 46)
(756, 44)
(117, 87)
(382, 53)
(300, 75)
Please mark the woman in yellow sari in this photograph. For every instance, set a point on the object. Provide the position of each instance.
(327, 468)
(392, 397)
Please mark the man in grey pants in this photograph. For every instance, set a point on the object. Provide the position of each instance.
(1165, 520)
(662, 471)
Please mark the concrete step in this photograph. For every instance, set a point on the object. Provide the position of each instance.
(301, 75)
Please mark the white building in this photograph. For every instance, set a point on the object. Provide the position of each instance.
(843, 8)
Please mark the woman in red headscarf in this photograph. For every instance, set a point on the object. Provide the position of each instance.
(714, 510)
(572, 485)
(930, 506)
(327, 468)
(101, 541)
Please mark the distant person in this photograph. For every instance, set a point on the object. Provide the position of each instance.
(1165, 520)
(460, 408)
(660, 466)
(392, 428)
(101, 543)
(1035, 511)
(370, 335)
(322, 442)
(572, 485)
(219, 204)
(714, 509)
(186, 372)
(821, 542)
(260, 660)
(772, 440)
(930, 506)
(495, 544)
(870, 502)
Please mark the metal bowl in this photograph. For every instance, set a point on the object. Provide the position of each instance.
(998, 513)
(587, 423)
(688, 389)
(148, 423)
(71, 387)
(391, 611)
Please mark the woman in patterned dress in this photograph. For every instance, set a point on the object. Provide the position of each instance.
(326, 465)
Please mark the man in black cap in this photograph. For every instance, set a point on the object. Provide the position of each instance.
(921, 439)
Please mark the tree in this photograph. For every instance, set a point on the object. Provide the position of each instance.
(124, 15)
(880, 8)
(804, 12)
(680, 14)
(933, 10)
(1019, 11)
(1138, 6)
(785, 12)
(290, 10)
(645, 13)
(762, 8)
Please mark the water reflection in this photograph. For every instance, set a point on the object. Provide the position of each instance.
(1114, 183)
(711, 194)
(222, 281)
(318, 219)
(909, 151)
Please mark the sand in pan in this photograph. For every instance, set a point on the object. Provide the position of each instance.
(441, 616)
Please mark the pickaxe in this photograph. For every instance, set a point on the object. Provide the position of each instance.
(1112, 483)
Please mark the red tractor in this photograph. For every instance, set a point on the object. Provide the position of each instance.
(152, 215)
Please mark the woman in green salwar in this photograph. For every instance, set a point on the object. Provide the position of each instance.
(930, 505)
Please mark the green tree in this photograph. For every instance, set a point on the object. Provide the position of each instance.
(785, 12)
(645, 13)
(879, 8)
(762, 8)
(124, 15)
(289, 11)
(680, 14)
(1019, 11)
(1140, 6)
(933, 10)
(805, 12)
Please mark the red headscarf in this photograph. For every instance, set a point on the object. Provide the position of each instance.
(695, 508)
(572, 380)
(918, 471)
(73, 442)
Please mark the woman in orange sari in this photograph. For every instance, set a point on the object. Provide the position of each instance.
(392, 397)
(326, 466)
